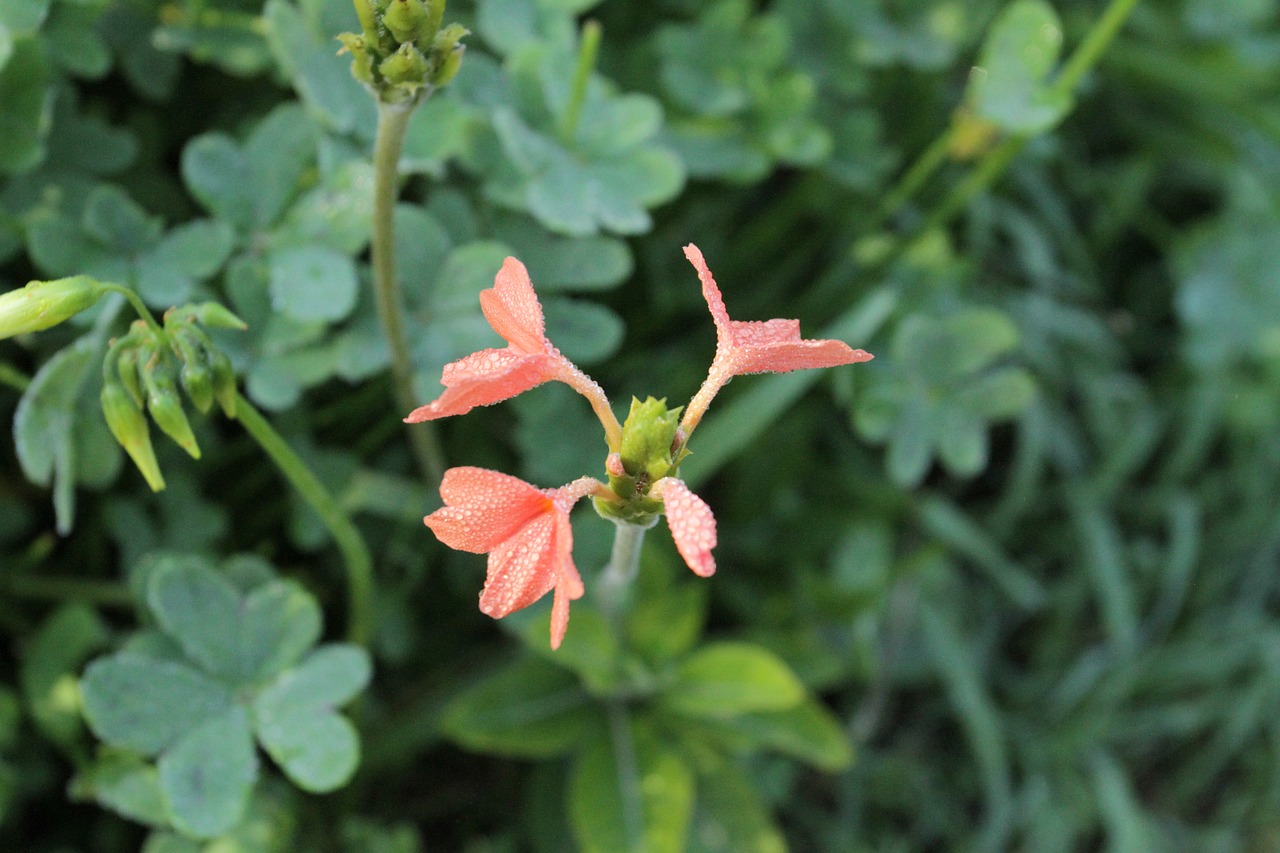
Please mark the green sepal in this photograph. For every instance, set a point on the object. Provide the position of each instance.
(217, 316)
(361, 57)
(642, 511)
(197, 381)
(125, 420)
(435, 18)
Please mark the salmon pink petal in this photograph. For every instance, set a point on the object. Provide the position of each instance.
(513, 310)
(522, 569)
(710, 292)
(484, 378)
(484, 508)
(693, 526)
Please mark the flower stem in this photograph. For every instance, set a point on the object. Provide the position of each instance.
(628, 767)
(929, 161)
(14, 378)
(393, 122)
(355, 553)
(623, 565)
(104, 593)
(139, 306)
(588, 47)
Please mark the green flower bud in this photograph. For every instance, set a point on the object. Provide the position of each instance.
(197, 381)
(368, 23)
(42, 304)
(647, 438)
(126, 422)
(165, 407)
(224, 382)
(435, 17)
(406, 67)
(448, 66)
(407, 20)
(361, 57)
(217, 316)
(127, 370)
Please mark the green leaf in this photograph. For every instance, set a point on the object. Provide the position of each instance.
(323, 79)
(49, 666)
(999, 395)
(25, 107)
(146, 704)
(338, 214)
(558, 263)
(641, 804)
(807, 731)
(44, 424)
(667, 623)
(962, 441)
(24, 17)
(207, 776)
(911, 444)
(193, 251)
(1009, 85)
(468, 269)
(313, 283)
(528, 709)
(245, 638)
(126, 784)
(116, 220)
(731, 817)
(590, 647)
(727, 679)
(295, 721)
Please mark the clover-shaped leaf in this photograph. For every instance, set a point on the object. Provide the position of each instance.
(297, 724)
(740, 107)
(116, 240)
(1009, 86)
(939, 389)
(24, 106)
(600, 172)
(231, 662)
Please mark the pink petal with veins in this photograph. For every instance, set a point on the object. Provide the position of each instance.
(513, 310)
(484, 378)
(484, 508)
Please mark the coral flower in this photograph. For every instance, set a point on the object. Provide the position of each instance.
(524, 530)
(745, 346)
(529, 359)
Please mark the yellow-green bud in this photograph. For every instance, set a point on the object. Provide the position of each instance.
(364, 11)
(126, 422)
(407, 20)
(435, 17)
(218, 316)
(224, 382)
(406, 67)
(127, 370)
(42, 304)
(197, 381)
(165, 407)
(647, 438)
(448, 66)
(361, 58)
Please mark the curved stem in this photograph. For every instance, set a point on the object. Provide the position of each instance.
(588, 47)
(139, 306)
(393, 122)
(355, 553)
(13, 377)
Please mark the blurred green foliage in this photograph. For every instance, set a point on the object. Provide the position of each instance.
(1013, 585)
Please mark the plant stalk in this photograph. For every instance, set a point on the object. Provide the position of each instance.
(588, 47)
(355, 553)
(624, 563)
(393, 122)
(14, 378)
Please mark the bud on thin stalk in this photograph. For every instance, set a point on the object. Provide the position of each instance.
(42, 304)
(166, 408)
(126, 422)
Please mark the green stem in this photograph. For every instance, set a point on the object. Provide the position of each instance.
(139, 306)
(14, 378)
(355, 553)
(393, 122)
(588, 47)
(105, 593)
(929, 161)
(624, 563)
(628, 766)
(1090, 51)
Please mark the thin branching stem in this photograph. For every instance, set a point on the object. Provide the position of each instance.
(355, 553)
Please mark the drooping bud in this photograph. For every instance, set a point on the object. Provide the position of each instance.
(197, 381)
(129, 426)
(42, 304)
(127, 372)
(165, 407)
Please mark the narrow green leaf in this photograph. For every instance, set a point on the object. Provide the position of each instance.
(630, 793)
(731, 816)
(727, 679)
(807, 731)
(529, 709)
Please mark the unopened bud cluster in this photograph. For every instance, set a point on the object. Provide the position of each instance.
(144, 369)
(652, 448)
(403, 52)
